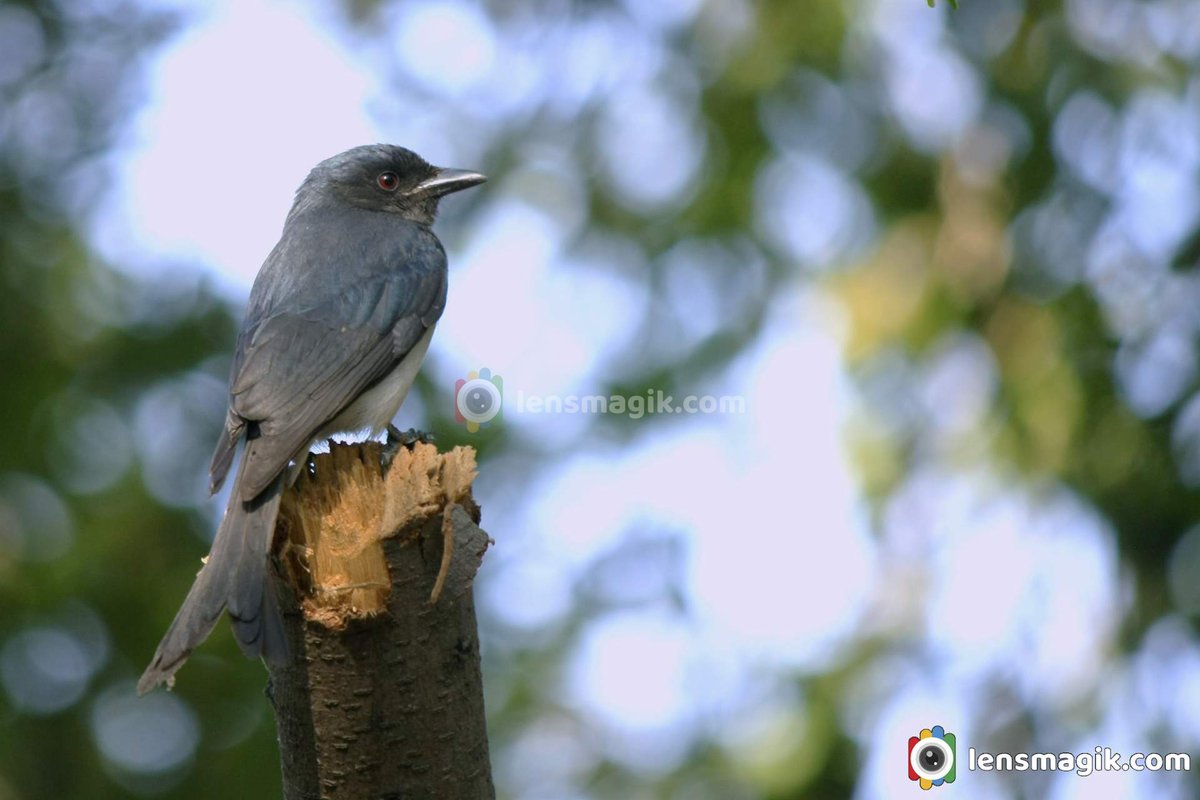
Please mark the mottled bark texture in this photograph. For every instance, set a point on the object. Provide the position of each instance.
(383, 697)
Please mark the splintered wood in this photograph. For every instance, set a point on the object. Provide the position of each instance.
(344, 504)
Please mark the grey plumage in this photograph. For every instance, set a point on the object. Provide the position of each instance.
(339, 319)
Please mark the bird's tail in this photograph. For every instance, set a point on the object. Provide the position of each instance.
(234, 577)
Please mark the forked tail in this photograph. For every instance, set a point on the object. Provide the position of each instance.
(234, 577)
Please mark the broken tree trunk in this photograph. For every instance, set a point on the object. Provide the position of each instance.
(383, 696)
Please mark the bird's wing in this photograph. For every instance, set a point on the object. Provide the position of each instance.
(296, 370)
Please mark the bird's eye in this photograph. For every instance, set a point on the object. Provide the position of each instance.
(388, 181)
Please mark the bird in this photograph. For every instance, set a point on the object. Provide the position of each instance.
(339, 319)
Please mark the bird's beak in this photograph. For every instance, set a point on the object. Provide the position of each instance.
(446, 181)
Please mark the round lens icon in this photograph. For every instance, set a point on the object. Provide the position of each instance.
(478, 400)
(932, 759)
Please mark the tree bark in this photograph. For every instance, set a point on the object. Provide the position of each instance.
(383, 695)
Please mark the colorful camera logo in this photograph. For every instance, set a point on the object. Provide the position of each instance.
(931, 757)
(477, 399)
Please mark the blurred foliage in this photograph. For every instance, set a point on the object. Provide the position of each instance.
(1005, 235)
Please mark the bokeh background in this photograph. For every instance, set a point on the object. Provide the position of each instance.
(947, 259)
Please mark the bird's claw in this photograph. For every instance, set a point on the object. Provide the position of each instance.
(408, 438)
(397, 438)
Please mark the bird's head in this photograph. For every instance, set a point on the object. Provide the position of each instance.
(384, 177)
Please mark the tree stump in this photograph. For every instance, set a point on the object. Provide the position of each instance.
(383, 695)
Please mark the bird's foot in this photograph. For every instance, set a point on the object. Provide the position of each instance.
(408, 438)
(397, 438)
